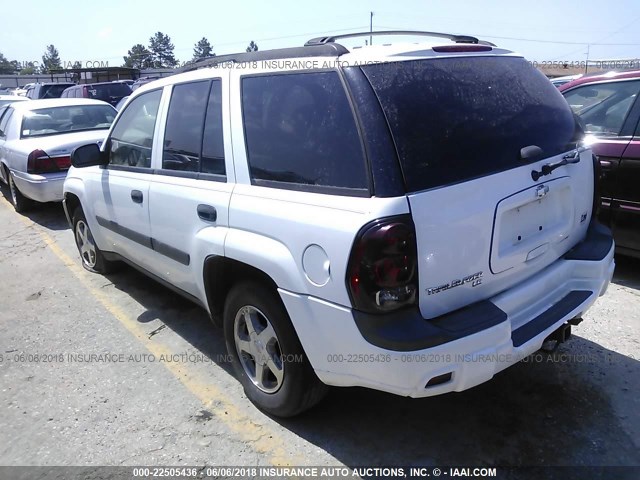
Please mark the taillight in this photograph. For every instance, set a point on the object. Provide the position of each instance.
(39, 162)
(382, 274)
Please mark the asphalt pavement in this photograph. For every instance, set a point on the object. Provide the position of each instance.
(118, 370)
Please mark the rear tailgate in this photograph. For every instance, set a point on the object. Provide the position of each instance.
(483, 223)
(478, 238)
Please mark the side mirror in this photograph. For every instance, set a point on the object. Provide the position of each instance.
(88, 156)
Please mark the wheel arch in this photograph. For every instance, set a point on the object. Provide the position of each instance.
(4, 171)
(70, 202)
(220, 274)
(73, 197)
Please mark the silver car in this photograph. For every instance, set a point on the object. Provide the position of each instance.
(36, 140)
(7, 99)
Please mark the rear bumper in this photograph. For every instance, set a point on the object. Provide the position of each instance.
(401, 353)
(41, 188)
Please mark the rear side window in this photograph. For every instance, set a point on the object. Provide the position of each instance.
(454, 119)
(132, 136)
(300, 130)
(603, 107)
(213, 143)
(193, 135)
(183, 134)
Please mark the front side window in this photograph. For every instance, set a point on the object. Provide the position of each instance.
(132, 137)
(603, 107)
(300, 129)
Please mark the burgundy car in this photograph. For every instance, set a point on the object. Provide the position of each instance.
(609, 109)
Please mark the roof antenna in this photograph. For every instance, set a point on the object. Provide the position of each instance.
(371, 29)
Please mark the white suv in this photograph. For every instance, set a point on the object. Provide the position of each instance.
(411, 218)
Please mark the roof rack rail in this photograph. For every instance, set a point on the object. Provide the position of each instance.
(318, 50)
(455, 38)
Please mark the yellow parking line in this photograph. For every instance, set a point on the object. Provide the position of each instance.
(262, 441)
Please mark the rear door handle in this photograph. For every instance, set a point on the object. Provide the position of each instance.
(136, 196)
(207, 213)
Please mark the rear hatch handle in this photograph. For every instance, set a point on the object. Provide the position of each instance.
(571, 157)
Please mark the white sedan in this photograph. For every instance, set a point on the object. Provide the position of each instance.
(6, 99)
(36, 140)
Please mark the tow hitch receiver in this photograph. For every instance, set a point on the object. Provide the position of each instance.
(553, 341)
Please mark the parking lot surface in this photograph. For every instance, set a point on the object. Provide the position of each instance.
(118, 370)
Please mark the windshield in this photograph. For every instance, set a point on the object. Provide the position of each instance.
(454, 119)
(57, 120)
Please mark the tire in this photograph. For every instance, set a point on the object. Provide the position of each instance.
(19, 201)
(288, 385)
(91, 256)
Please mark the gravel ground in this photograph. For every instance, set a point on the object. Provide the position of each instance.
(164, 395)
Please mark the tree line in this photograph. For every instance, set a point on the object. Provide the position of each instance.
(159, 53)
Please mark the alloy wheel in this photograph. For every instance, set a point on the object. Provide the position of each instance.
(86, 245)
(258, 349)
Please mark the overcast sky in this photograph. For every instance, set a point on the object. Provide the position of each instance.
(103, 31)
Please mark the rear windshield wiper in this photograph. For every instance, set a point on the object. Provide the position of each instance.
(571, 157)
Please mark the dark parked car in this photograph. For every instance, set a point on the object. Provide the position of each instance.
(559, 81)
(110, 92)
(609, 109)
(38, 91)
(143, 81)
(121, 103)
(128, 82)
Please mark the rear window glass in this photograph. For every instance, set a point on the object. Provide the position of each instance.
(454, 119)
(54, 91)
(108, 92)
(57, 120)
